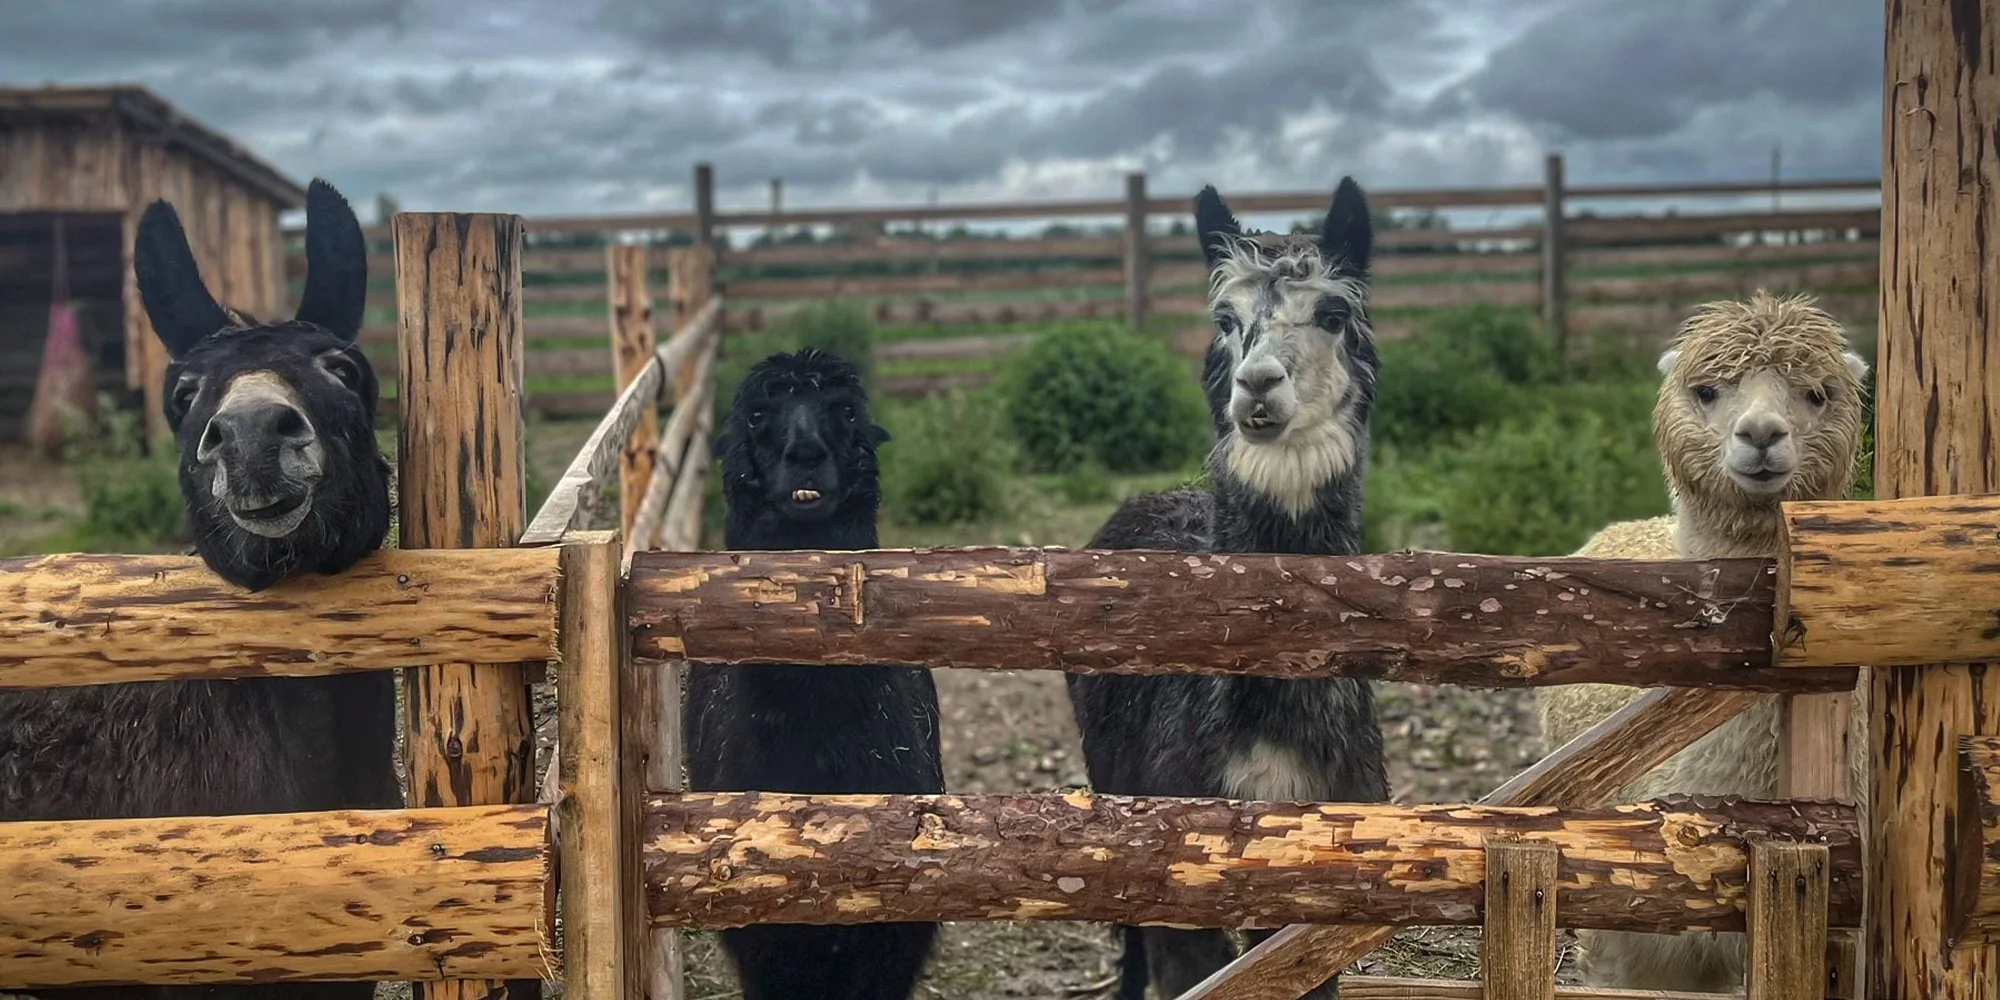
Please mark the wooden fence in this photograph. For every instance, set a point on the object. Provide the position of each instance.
(1600, 275)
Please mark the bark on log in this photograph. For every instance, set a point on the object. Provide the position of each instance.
(1973, 878)
(470, 725)
(1594, 766)
(399, 894)
(731, 859)
(1890, 583)
(1423, 617)
(74, 620)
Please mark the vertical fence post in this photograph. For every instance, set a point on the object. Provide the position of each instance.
(1137, 254)
(1785, 922)
(631, 350)
(1938, 389)
(1517, 953)
(600, 826)
(469, 728)
(1555, 293)
(704, 204)
(690, 284)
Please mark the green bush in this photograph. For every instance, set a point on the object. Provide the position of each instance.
(1087, 483)
(948, 461)
(1097, 393)
(1427, 395)
(132, 500)
(1508, 341)
(832, 325)
(1543, 484)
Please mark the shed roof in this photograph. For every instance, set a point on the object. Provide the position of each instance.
(147, 112)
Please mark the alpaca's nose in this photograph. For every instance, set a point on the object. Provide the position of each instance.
(1761, 430)
(805, 449)
(255, 427)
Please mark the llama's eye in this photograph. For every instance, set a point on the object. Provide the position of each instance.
(1816, 397)
(1331, 316)
(1704, 393)
(755, 419)
(847, 411)
(1225, 323)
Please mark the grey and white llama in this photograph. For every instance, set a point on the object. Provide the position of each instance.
(279, 475)
(1290, 380)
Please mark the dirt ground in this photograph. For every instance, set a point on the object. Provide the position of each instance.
(1013, 731)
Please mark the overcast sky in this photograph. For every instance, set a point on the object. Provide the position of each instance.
(565, 106)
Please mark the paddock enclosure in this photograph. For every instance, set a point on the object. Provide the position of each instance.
(477, 883)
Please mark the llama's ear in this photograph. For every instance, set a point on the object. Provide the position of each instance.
(1667, 359)
(336, 263)
(1214, 224)
(878, 435)
(170, 286)
(1348, 234)
(1856, 364)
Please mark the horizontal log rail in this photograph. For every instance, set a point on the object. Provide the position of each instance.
(1890, 583)
(74, 620)
(577, 494)
(726, 859)
(1424, 617)
(461, 893)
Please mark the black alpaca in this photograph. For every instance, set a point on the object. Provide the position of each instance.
(799, 472)
(279, 474)
(1290, 380)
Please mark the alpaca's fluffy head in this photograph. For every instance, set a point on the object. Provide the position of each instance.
(800, 444)
(1760, 402)
(1291, 373)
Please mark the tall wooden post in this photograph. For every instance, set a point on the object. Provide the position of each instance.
(704, 204)
(470, 728)
(1938, 392)
(1137, 258)
(1555, 314)
(690, 284)
(631, 350)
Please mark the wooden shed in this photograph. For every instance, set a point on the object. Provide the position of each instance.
(87, 161)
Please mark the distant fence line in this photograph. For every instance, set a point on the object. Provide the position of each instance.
(1586, 275)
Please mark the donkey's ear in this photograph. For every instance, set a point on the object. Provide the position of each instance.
(336, 263)
(1215, 224)
(1348, 235)
(182, 311)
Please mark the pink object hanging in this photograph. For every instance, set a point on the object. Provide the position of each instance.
(65, 396)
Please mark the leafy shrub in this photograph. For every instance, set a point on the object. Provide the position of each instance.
(1508, 341)
(1543, 484)
(1098, 393)
(132, 500)
(947, 462)
(1428, 395)
(832, 325)
(1086, 483)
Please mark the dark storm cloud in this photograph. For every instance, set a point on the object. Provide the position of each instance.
(603, 105)
(1614, 69)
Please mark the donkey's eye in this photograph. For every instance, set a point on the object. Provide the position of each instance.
(342, 368)
(1704, 393)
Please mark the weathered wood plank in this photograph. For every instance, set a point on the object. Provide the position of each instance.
(1786, 922)
(632, 353)
(690, 419)
(1973, 871)
(1890, 583)
(1517, 950)
(1424, 617)
(595, 824)
(73, 620)
(1593, 767)
(470, 725)
(1400, 988)
(730, 859)
(378, 895)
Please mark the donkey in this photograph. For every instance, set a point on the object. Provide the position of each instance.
(279, 475)
(1290, 379)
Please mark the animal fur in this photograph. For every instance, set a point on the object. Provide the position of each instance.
(800, 425)
(1293, 350)
(1722, 345)
(221, 748)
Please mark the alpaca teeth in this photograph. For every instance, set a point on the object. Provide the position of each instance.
(805, 496)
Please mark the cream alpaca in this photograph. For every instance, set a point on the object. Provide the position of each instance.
(1760, 402)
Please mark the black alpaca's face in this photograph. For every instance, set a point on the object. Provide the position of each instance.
(800, 441)
(275, 423)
